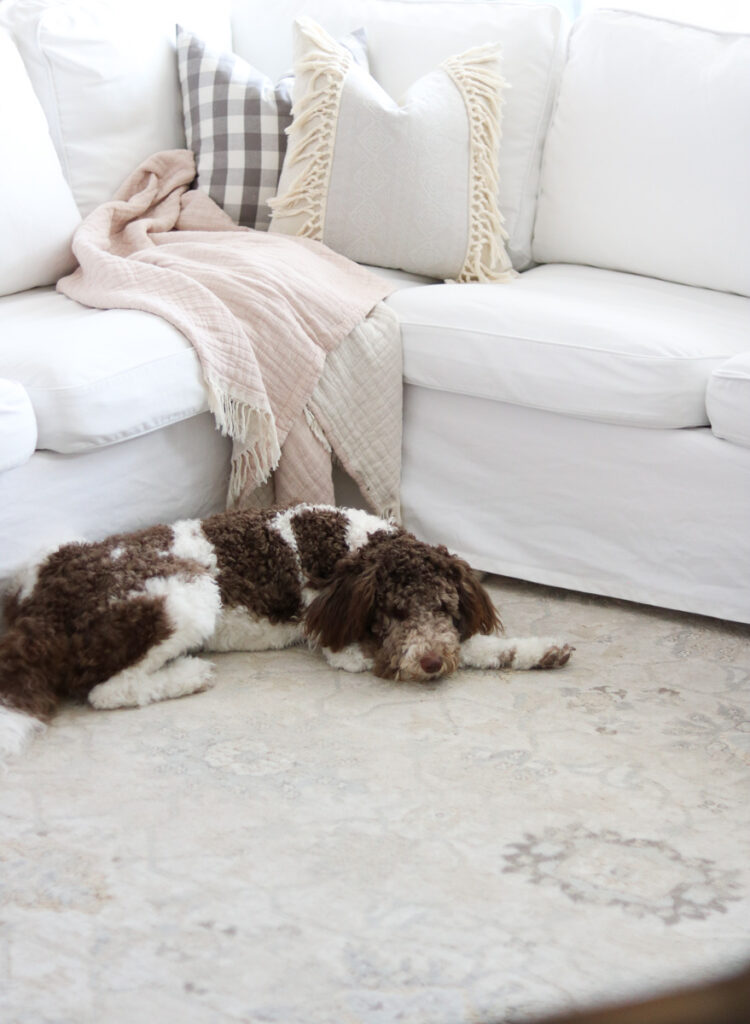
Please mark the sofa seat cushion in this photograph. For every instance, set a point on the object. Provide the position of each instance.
(17, 425)
(96, 377)
(579, 341)
(728, 400)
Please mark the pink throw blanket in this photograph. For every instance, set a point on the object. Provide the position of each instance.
(261, 310)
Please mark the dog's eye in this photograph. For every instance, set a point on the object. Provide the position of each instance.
(400, 614)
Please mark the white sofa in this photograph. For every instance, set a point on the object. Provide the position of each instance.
(586, 425)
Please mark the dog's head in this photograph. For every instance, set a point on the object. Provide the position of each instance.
(409, 605)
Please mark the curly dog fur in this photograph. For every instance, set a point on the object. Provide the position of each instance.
(116, 622)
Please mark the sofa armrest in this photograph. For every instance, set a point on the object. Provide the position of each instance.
(728, 400)
(17, 425)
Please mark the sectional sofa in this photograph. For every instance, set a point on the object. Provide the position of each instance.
(585, 425)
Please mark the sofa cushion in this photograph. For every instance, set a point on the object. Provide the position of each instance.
(579, 341)
(262, 32)
(646, 161)
(17, 425)
(96, 377)
(37, 212)
(106, 76)
(728, 400)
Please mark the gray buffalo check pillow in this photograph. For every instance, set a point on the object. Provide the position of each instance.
(235, 124)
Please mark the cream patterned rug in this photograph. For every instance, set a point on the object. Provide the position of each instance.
(302, 846)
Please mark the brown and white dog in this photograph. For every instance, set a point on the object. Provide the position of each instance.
(116, 621)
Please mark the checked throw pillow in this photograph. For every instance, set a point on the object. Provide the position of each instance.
(235, 123)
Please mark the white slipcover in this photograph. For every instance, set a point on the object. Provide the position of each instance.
(728, 400)
(262, 32)
(37, 212)
(105, 74)
(580, 341)
(175, 473)
(97, 377)
(17, 425)
(655, 516)
(647, 157)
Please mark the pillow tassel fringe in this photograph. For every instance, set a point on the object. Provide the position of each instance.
(476, 75)
(313, 132)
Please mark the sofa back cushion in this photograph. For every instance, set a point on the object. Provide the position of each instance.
(262, 30)
(37, 213)
(105, 73)
(647, 158)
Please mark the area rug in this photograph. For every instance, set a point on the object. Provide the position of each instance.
(302, 846)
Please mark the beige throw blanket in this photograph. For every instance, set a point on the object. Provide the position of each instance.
(267, 315)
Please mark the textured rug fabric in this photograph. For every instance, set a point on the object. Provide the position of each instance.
(302, 846)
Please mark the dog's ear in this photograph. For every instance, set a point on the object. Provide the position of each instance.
(476, 612)
(342, 611)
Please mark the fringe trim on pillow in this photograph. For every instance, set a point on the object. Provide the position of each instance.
(476, 75)
(312, 133)
(255, 450)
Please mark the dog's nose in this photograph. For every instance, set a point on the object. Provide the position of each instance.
(431, 663)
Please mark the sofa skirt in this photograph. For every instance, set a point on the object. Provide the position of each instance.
(654, 516)
(178, 472)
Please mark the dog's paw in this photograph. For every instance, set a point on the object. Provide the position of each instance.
(134, 688)
(349, 659)
(17, 729)
(555, 656)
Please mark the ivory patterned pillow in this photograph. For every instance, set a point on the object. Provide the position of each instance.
(411, 185)
(235, 123)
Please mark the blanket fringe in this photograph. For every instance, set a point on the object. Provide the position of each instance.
(317, 430)
(256, 450)
(312, 133)
(476, 75)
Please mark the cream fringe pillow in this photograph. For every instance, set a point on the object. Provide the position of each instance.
(412, 185)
